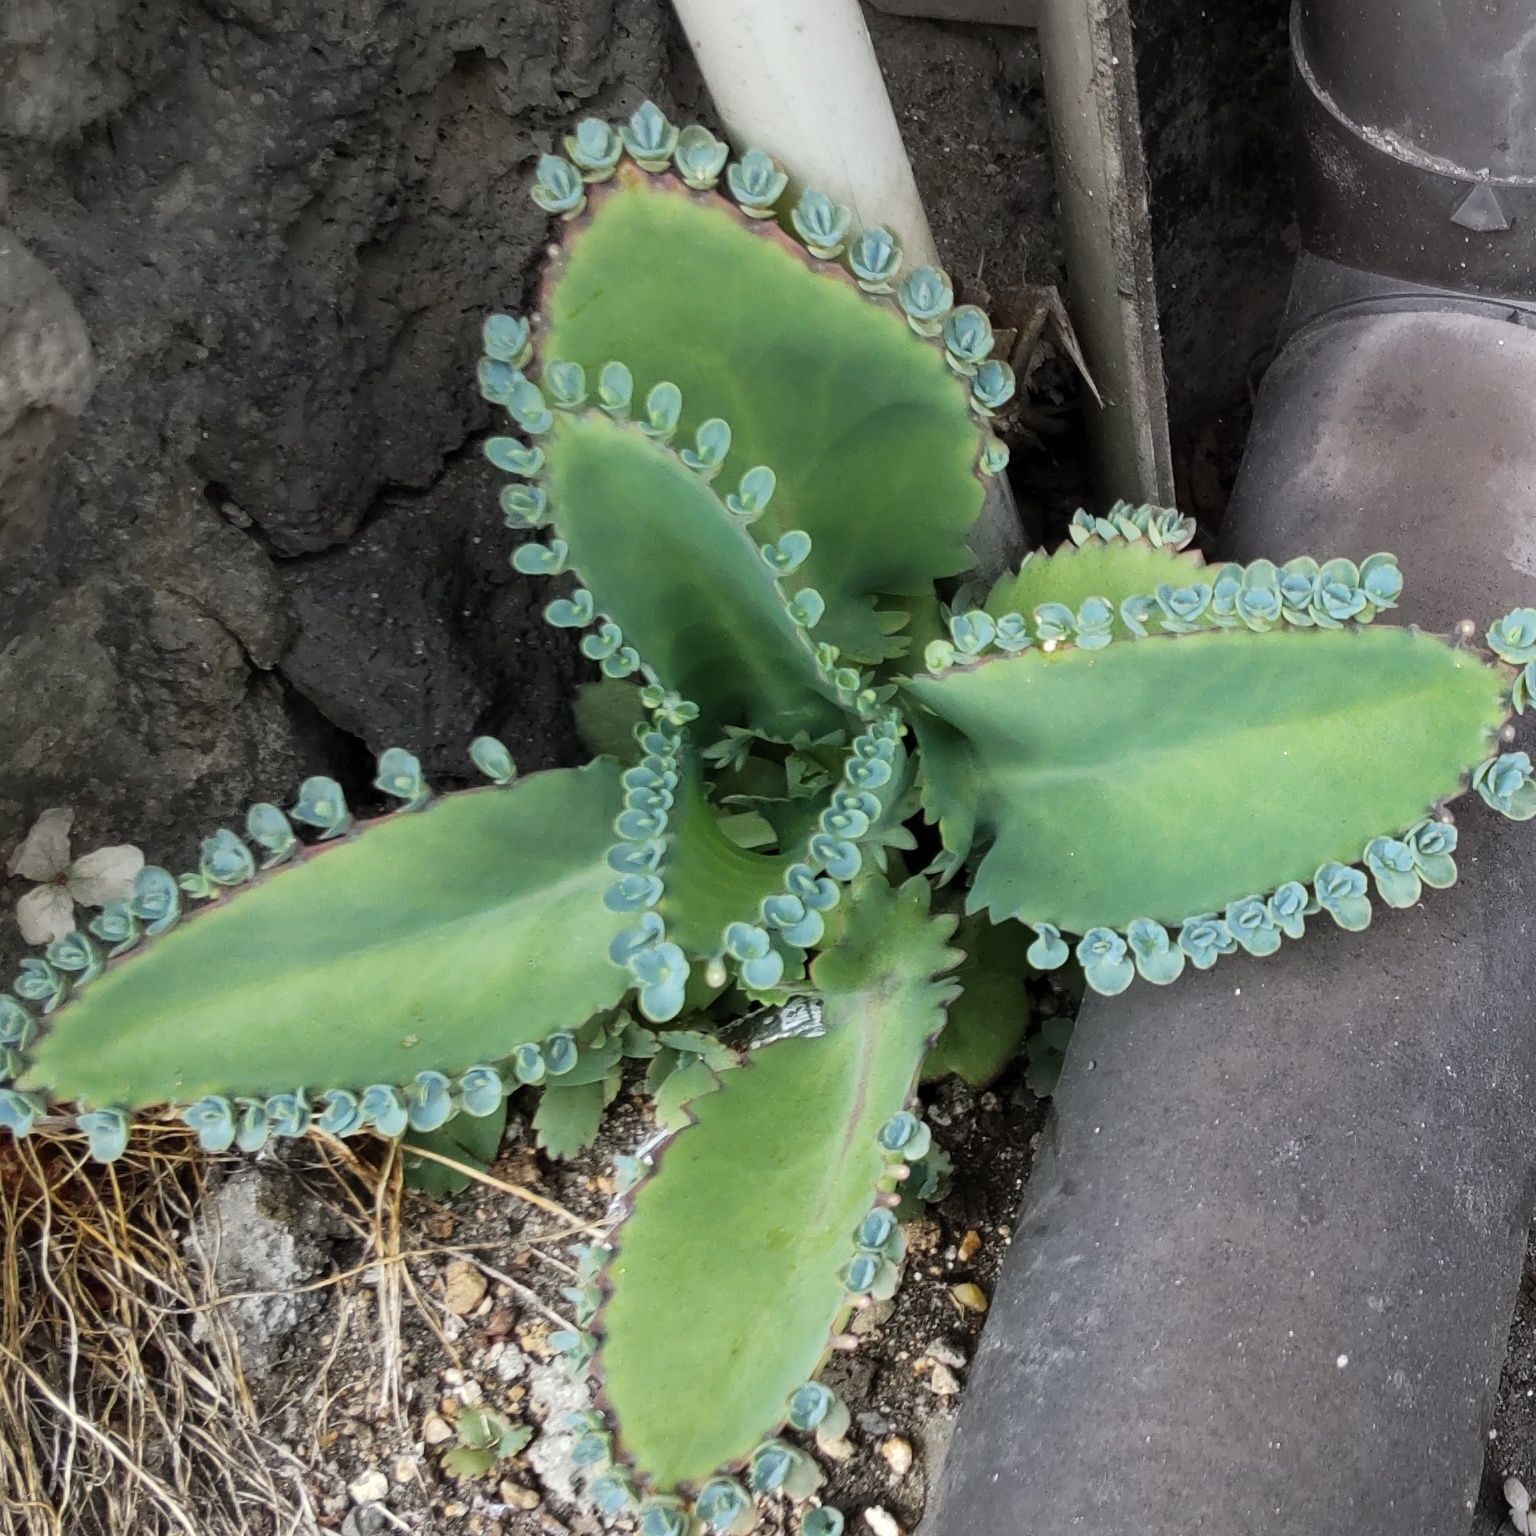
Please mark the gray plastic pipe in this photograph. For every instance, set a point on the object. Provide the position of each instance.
(1264, 1274)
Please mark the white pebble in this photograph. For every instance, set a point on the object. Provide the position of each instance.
(943, 1382)
(370, 1488)
(898, 1455)
(881, 1521)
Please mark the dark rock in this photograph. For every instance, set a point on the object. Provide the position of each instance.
(972, 112)
(46, 373)
(418, 633)
(278, 227)
(264, 1237)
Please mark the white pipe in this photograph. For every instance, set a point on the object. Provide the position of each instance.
(799, 79)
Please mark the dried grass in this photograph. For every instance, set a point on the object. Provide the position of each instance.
(124, 1407)
(112, 1420)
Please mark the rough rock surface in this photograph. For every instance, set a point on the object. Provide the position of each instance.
(268, 1236)
(268, 232)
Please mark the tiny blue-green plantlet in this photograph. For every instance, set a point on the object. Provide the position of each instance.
(747, 450)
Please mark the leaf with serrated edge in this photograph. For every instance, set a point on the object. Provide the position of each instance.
(1074, 573)
(437, 939)
(701, 606)
(1169, 776)
(866, 426)
(750, 1214)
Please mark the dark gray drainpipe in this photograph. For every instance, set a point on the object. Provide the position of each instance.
(1263, 1278)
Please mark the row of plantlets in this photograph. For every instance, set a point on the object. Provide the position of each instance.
(746, 447)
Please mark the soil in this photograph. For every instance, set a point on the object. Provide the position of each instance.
(478, 1332)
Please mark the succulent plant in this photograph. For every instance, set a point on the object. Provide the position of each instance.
(745, 461)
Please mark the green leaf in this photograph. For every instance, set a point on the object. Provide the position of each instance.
(1074, 573)
(485, 1438)
(866, 426)
(988, 1021)
(468, 1461)
(427, 941)
(467, 1139)
(727, 1280)
(683, 579)
(1171, 776)
(568, 1117)
(690, 1078)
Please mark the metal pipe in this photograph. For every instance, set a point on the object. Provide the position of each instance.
(1265, 1271)
(1270, 1250)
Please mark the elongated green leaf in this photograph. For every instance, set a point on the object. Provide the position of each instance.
(427, 941)
(683, 579)
(727, 1281)
(865, 425)
(1167, 777)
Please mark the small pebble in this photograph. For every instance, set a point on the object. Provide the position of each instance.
(881, 1521)
(519, 1497)
(898, 1455)
(943, 1352)
(970, 1246)
(836, 1450)
(943, 1382)
(1515, 1495)
(510, 1364)
(970, 1297)
(370, 1488)
(873, 1423)
(436, 1429)
(403, 1468)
